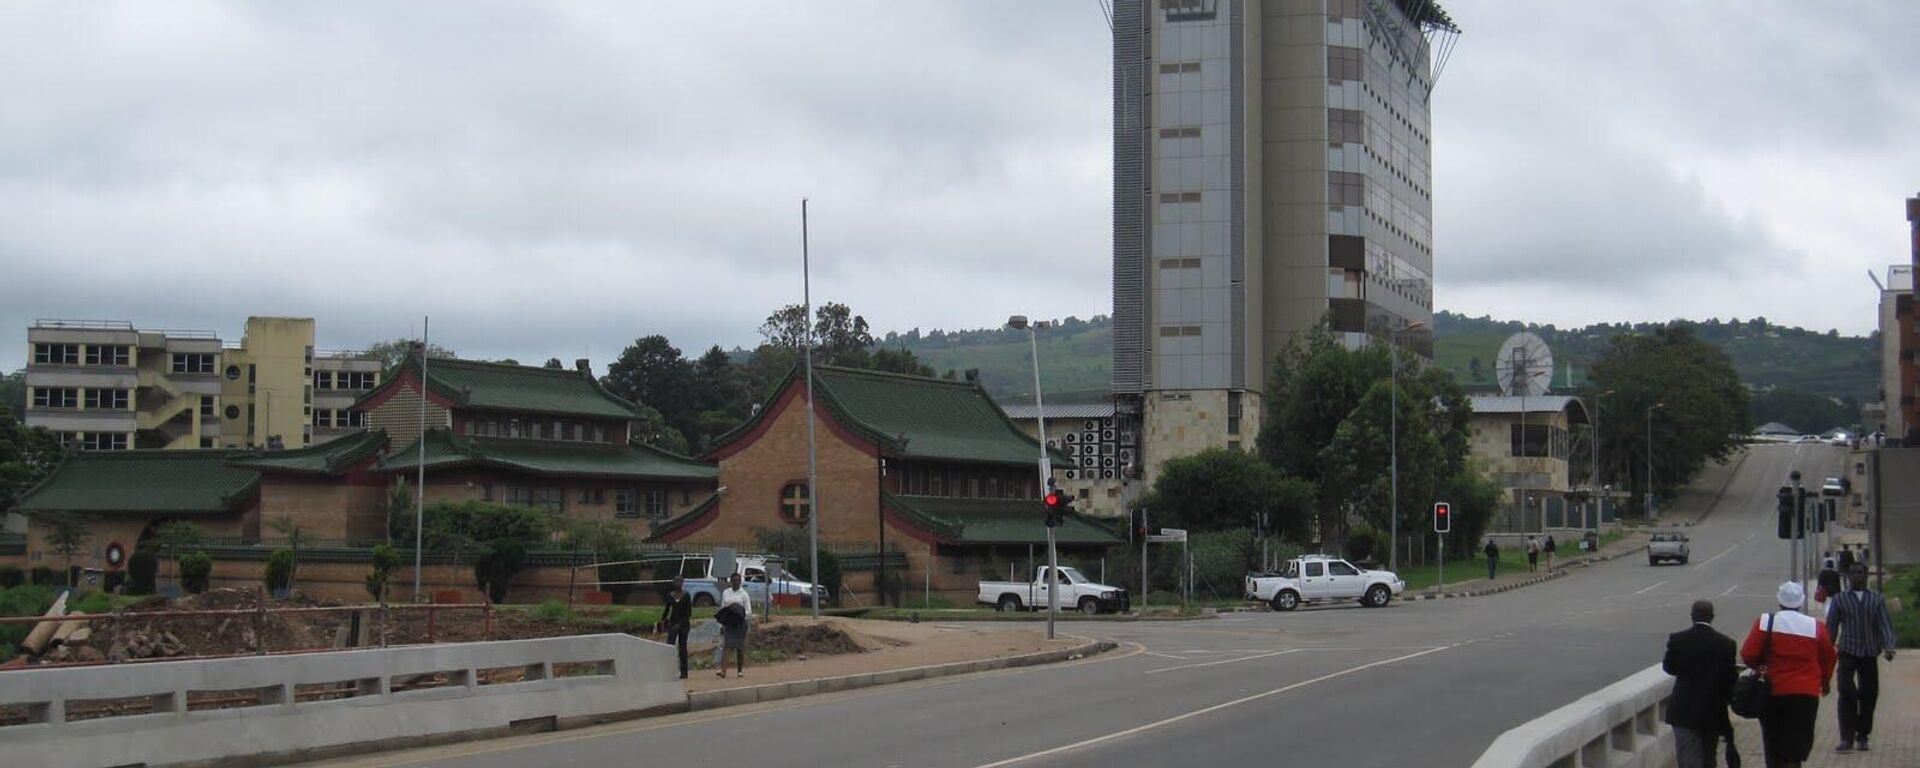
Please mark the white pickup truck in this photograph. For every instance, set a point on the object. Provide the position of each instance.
(1323, 578)
(1076, 594)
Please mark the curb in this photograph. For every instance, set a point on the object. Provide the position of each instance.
(751, 694)
(1508, 587)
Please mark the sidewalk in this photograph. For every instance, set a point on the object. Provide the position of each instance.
(1896, 725)
(1511, 577)
(887, 646)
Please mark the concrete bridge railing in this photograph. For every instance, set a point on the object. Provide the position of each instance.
(267, 709)
(1619, 725)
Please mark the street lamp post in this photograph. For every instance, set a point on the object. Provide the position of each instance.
(1019, 323)
(1594, 481)
(1393, 442)
(1650, 410)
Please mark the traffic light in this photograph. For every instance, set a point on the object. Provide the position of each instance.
(1784, 526)
(1442, 517)
(1058, 505)
(1816, 521)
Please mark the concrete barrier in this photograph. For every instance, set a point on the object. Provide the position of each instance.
(1619, 725)
(265, 710)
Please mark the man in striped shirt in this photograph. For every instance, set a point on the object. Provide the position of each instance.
(1858, 619)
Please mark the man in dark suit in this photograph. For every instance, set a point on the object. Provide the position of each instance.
(1701, 661)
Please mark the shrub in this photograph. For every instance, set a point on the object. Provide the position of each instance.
(635, 619)
(11, 576)
(553, 610)
(93, 603)
(45, 577)
(622, 572)
(280, 570)
(495, 565)
(142, 567)
(113, 581)
(22, 601)
(196, 569)
(385, 557)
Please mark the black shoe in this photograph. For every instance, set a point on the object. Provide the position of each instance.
(1863, 744)
(1845, 746)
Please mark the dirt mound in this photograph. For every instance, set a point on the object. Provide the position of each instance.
(805, 639)
(129, 635)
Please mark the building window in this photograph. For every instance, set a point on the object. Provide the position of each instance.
(1346, 126)
(323, 380)
(1346, 189)
(656, 501)
(1187, 132)
(208, 406)
(354, 418)
(586, 496)
(1189, 10)
(106, 399)
(323, 418)
(1346, 63)
(625, 504)
(56, 397)
(1529, 440)
(1179, 197)
(794, 504)
(107, 355)
(103, 441)
(550, 499)
(353, 380)
(1179, 330)
(1233, 413)
(1344, 9)
(192, 363)
(56, 354)
(233, 411)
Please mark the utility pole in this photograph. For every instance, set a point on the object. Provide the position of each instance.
(813, 466)
(1019, 322)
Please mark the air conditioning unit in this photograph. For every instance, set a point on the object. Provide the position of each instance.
(1090, 461)
(1107, 449)
(1127, 437)
(1126, 455)
(1073, 437)
(1091, 425)
(1053, 442)
(1108, 474)
(1090, 437)
(1106, 423)
(1073, 450)
(1109, 462)
(1073, 474)
(1108, 434)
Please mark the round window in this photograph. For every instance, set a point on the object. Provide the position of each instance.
(794, 504)
(233, 411)
(233, 373)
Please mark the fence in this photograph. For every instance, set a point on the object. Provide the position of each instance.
(1619, 725)
(311, 706)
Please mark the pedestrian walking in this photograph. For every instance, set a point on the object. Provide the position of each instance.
(733, 637)
(1863, 631)
(1533, 554)
(1827, 584)
(1700, 659)
(1798, 658)
(1550, 549)
(677, 620)
(1493, 558)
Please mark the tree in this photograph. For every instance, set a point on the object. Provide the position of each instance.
(1701, 406)
(900, 360)
(1217, 489)
(385, 558)
(296, 536)
(196, 572)
(175, 538)
(1476, 370)
(840, 337)
(27, 456)
(66, 534)
(13, 392)
(651, 372)
(142, 566)
(1316, 383)
(394, 352)
(492, 538)
(279, 571)
(554, 364)
(495, 564)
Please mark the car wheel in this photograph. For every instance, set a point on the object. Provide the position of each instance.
(1286, 600)
(1683, 560)
(1653, 561)
(703, 601)
(1008, 604)
(1378, 596)
(1089, 606)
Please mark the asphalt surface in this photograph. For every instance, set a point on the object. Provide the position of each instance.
(1427, 683)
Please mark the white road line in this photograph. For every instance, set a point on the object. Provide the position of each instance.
(1654, 586)
(1226, 661)
(1164, 656)
(1212, 709)
(1729, 591)
(1729, 550)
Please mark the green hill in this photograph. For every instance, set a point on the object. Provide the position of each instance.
(1076, 358)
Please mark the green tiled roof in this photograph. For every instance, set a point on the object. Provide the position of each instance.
(915, 417)
(329, 458)
(158, 482)
(996, 521)
(519, 388)
(548, 457)
(669, 526)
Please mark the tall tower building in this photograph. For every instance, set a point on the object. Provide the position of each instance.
(1272, 171)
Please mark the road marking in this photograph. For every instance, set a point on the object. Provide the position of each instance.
(1654, 586)
(1225, 661)
(1729, 591)
(1729, 550)
(1165, 656)
(1212, 709)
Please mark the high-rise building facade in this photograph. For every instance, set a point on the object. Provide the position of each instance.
(1272, 171)
(106, 385)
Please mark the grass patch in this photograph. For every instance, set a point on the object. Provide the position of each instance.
(1903, 582)
(635, 619)
(553, 610)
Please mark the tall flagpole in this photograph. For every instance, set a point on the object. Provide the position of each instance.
(813, 467)
(420, 489)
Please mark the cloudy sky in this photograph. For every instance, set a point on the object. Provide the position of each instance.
(558, 179)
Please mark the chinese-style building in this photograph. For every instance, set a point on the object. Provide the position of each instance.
(927, 468)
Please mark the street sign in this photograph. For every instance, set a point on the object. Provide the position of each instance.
(1177, 534)
(1159, 538)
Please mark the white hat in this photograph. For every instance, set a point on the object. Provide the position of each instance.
(1791, 595)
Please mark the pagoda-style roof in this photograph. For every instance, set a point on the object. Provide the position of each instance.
(180, 482)
(329, 458)
(995, 521)
(557, 458)
(511, 388)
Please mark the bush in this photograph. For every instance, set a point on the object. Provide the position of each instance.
(113, 581)
(622, 572)
(552, 610)
(142, 567)
(93, 603)
(45, 577)
(635, 620)
(385, 558)
(496, 564)
(11, 576)
(22, 601)
(196, 570)
(280, 570)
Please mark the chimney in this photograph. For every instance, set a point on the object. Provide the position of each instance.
(1913, 221)
(584, 367)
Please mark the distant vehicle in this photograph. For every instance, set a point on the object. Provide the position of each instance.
(1077, 593)
(1840, 438)
(1668, 545)
(1323, 578)
(705, 586)
(1807, 439)
(1832, 487)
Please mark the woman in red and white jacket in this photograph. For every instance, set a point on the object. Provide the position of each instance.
(1799, 661)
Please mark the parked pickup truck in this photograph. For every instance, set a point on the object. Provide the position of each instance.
(1076, 594)
(705, 585)
(1667, 545)
(1323, 578)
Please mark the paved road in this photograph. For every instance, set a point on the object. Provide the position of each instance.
(1427, 684)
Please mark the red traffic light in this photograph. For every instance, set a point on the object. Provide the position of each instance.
(1053, 499)
(1442, 517)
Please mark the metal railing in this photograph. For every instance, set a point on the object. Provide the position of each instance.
(88, 325)
(1616, 725)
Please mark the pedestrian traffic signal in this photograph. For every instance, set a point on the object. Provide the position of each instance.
(1442, 517)
(1058, 505)
(1784, 526)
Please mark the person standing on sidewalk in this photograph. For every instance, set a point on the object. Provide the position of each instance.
(1858, 618)
(1493, 558)
(734, 637)
(1550, 548)
(1533, 554)
(1701, 662)
(677, 620)
(1798, 659)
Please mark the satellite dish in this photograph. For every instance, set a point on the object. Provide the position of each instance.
(1524, 366)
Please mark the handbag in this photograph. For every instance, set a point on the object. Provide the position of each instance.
(1752, 689)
